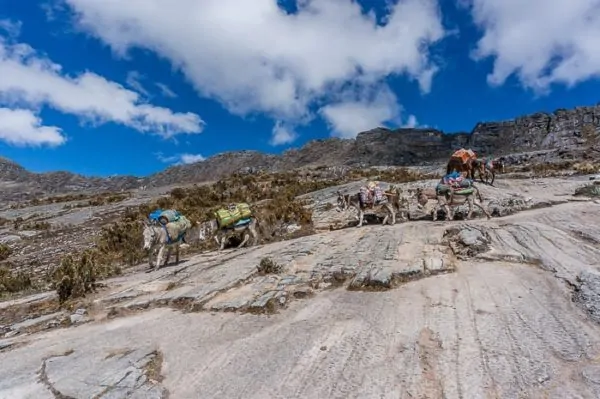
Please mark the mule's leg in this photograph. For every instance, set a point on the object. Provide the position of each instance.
(245, 240)
(493, 177)
(255, 234)
(169, 252)
(150, 253)
(434, 212)
(393, 212)
(223, 239)
(177, 254)
(403, 215)
(485, 212)
(159, 257)
(470, 203)
(360, 218)
(449, 213)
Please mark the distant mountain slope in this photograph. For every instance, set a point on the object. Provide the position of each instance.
(565, 130)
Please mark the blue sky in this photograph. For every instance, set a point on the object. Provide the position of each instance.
(145, 84)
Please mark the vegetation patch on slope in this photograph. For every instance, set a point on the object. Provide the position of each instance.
(273, 198)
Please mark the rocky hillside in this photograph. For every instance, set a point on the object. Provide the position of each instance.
(17, 183)
(559, 135)
(501, 308)
(563, 134)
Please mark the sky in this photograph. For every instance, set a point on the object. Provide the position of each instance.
(105, 87)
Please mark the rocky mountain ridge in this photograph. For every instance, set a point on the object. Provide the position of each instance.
(564, 130)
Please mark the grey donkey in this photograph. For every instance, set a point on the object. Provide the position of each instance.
(345, 201)
(445, 200)
(156, 235)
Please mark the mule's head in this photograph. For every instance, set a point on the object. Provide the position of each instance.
(149, 236)
(342, 202)
(499, 164)
(206, 229)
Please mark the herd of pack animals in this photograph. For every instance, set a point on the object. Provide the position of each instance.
(167, 229)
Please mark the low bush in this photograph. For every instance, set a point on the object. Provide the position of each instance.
(77, 274)
(5, 252)
(268, 266)
(13, 281)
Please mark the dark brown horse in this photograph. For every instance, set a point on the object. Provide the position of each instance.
(465, 168)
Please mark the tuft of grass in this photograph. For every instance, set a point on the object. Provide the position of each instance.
(268, 266)
(5, 252)
(589, 190)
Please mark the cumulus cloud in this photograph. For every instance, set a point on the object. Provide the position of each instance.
(253, 56)
(165, 90)
(540, 42)
(282, 134)
(181, 159)
(133, 80)
(30, 80)
(11, 28)
(21, 127)
(411, 122)
(364, 108)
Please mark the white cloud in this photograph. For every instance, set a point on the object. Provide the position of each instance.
(180, 159)
(254, 57)
(191, 158)
(361, 109)
(541, 42)
(165, 90)
(282, 134)
(411, 122)
(30, 80)
(11, 28)
(133, 81)
(21, 127)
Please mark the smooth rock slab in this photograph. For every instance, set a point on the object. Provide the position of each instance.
(387, 274)
(114, 375)
(269, 301)
(35, 321)
(588, 294)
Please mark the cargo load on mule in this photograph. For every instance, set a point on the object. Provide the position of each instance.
(372, 194)
(174, 223)
(454, 183)
(164, 216)
(464, 155)
(462, 161)
(235, 215)
(176, 230)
